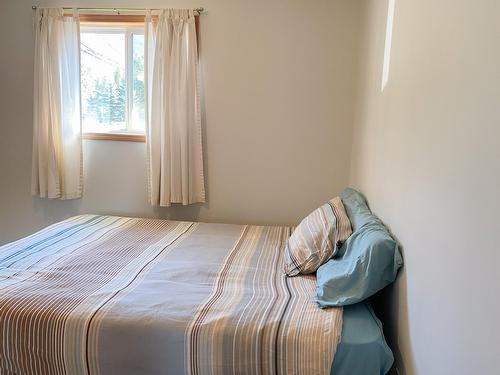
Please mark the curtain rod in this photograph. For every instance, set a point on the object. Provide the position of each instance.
(199, 10)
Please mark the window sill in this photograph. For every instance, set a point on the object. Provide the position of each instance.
(123, 137)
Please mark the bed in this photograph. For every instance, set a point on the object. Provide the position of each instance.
(114, 295)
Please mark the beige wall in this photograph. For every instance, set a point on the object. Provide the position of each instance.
(278, 113)
(426, 153)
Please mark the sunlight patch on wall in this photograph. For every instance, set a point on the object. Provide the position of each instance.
(391, 6)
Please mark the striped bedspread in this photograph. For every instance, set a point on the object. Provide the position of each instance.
(114, 295)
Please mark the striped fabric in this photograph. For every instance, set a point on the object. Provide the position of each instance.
(317, 238)
(113, 295)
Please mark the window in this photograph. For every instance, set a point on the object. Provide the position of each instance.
(112, 81)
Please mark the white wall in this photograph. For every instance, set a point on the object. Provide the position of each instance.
(278, 113)
(426, 153)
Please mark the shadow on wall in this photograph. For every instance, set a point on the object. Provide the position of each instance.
(50, 209)
(180, 212)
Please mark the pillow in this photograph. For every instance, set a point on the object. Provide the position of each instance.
(317, 238)
(356, 208)
(367, 262)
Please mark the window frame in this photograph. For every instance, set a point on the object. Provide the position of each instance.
(129, 26)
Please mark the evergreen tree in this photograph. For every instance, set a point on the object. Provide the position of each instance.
(139, 84)
(117, 99)
(99, 102)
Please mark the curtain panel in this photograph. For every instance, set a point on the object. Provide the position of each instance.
(173, 121)
(57, 139)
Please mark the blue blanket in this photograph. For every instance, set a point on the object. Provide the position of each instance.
(362, 349)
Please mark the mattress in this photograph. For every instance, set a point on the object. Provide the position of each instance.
(113, 295)
(362, 349)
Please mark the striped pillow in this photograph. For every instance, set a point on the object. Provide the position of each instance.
(317, 238)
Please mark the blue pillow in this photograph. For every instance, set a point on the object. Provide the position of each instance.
(368, 261)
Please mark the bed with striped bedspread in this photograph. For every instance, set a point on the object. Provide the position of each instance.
(114, 295)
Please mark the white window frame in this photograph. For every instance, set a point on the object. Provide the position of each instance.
(128, 134)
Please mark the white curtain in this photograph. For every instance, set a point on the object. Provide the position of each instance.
(57, 140)
(173, 125)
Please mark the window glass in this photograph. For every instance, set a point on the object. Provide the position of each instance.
(138, 82)
(112, 80)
